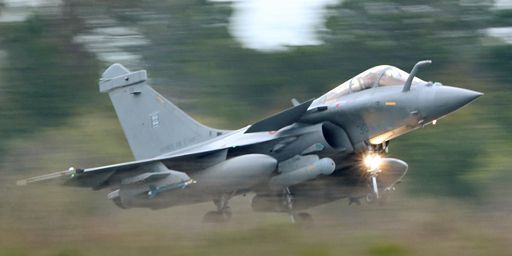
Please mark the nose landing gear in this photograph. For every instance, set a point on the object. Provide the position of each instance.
(374, 194)
(373, 161)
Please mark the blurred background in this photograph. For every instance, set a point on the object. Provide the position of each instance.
(228, 64)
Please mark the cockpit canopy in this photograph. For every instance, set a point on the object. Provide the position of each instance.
(383, 75)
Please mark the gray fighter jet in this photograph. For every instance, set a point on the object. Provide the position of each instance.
(313, 153)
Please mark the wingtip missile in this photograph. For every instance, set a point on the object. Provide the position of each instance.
(21, 183)
(71, 172)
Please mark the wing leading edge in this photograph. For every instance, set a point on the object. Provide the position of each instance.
(97, 177)
(281, 119)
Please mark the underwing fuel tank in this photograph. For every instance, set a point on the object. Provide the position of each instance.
(323, 166)
(166, 187)
(236, 173)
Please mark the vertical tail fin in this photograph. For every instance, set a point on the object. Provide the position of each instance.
(152, 124)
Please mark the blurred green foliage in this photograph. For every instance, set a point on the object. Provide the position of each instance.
(49, 78)
(388, 249)
(52, 116)
(44, 76)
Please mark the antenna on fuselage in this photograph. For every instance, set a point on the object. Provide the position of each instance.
(408, 82)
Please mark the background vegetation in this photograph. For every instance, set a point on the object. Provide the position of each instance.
(455, 198)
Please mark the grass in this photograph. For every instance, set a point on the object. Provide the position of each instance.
(402, 227)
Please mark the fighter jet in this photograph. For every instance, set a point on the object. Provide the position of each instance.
(312, 153)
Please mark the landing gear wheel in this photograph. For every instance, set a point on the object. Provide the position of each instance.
(118, 203)
(223, 213)
(216, 217)
(226, 212)
(304, 219)
(382, 199)
(371, 198)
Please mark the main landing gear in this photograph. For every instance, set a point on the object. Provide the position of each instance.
(302, 218)
(223, 213)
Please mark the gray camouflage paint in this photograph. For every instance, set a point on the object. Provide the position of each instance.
(312, 150)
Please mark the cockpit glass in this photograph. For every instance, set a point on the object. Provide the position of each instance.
(377, 76)
(395, 76)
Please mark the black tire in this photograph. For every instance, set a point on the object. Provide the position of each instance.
(227, 213)
(217, 217)
(371, 198)
(118, 203)
(213, 217)
(304, 219)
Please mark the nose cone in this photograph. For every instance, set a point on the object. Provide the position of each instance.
(448, 99)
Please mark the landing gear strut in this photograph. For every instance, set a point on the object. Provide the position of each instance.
(223, 212)
(302, 218)
(372, 162)
(375, 195)
(289, 204)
